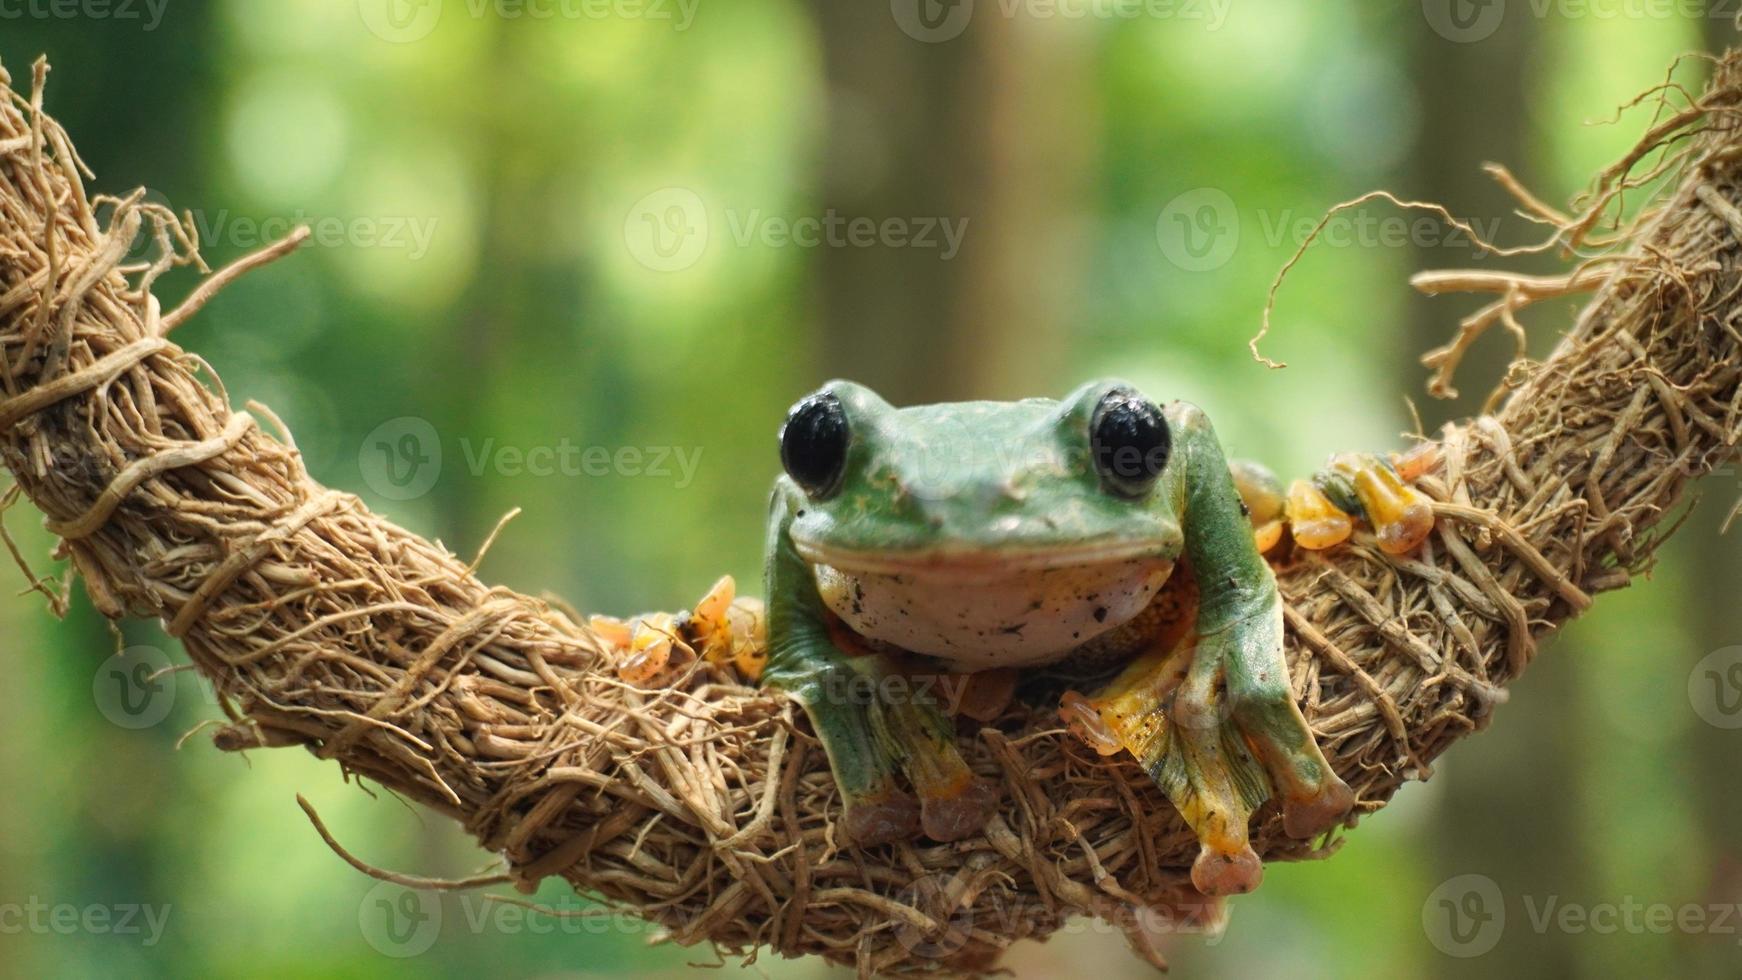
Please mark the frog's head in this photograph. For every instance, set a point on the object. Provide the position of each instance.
(1020, 529)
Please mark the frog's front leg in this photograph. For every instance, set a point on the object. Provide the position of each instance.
(1239, 643)
(1213, 720)
(874, 723)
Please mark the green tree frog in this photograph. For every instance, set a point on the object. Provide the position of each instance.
(1041, 535)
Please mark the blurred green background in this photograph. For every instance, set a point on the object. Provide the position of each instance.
(589, 225)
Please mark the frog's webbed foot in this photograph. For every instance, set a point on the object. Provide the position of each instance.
(1262, 498)
(1214, 723)
(1263, 706)
(1321, 512)
(877, 809)
(954, 803)
(1167, 711)
(1206, 769)
(877, 725)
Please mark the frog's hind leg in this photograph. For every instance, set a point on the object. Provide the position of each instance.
(874, 723)
(1263, 499)
(1363, 485)
(912, 727)
(834, 694)
(1261, 492)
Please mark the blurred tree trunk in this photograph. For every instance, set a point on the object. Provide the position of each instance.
(1037, 143)
(985, 128)
(473, 357)
(1713, 751)
(67, 843)
(1507, 810)
(1716, 784)
(897, 113)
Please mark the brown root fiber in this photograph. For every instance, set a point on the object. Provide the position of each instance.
(706, 807)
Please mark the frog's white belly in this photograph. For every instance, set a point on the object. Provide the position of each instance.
(1015, 617)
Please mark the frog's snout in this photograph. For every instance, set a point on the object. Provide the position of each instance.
(940, 495)
(992, 506)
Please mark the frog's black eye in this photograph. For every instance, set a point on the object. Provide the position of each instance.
(813, 444)
(1130, 441)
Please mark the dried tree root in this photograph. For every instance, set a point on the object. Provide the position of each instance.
(705, 808)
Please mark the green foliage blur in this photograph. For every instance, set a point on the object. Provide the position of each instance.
(564, 247)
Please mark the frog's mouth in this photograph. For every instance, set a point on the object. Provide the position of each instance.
(980, 607)
(966, 562)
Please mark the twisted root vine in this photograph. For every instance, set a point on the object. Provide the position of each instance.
(707, 807)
